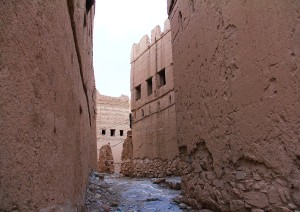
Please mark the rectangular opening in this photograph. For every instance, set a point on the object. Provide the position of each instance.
(121, 132)
(103, 132)
(182, 149)
(149, 86)
(138, 92)
(112, 132)
(162, 77)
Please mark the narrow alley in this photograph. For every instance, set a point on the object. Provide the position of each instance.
(208, 121)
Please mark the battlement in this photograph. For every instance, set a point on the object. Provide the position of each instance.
(139, 48)
(123, 99)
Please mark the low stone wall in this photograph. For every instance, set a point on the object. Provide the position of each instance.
(155, 167)
(244, 186)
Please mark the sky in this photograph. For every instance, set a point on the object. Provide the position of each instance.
(118, 24)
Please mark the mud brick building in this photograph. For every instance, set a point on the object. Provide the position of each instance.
(112, 124)
(153, 103)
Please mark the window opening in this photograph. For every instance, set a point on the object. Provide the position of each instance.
(121, 132)
(162, 77)
(103, 132)
(182, 149)
(112, 132)
(149, 86)
(138, 92)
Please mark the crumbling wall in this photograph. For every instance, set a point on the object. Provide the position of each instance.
(106, 160)
(153, 102)
(127, 154)
(236, 79)
(112, 114)
(47, 104)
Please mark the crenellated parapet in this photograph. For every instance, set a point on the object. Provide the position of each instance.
(139, 48)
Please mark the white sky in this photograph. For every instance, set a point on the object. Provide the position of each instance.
(117, 25)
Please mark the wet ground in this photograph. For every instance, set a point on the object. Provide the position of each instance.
(117, 194)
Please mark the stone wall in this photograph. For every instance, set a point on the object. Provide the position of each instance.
(112, 114)
(106, 160)
(47, 104)
(153, 102)
(236, 81)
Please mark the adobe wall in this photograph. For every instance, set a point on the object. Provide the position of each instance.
(47, 105)
(106, 160)
(153, 115)
(112, 113)
(236, 78)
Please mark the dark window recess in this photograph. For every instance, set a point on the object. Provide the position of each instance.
(103, 132)
(130, 120)
(182, 150)
(162, 77)
(121, 132)
(149, 86)
(138, 92)
(89, 4)
(112, 132)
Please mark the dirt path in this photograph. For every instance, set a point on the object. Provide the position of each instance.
(110, 193)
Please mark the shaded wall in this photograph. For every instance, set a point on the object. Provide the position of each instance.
(47, 104)
(153, 123)
(236, 80)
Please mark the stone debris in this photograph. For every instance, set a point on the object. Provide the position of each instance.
(174, 183)
(98, 196)
(110, 193)
(158, 180)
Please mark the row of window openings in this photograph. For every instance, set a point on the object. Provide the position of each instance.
(162, 82)
(112, 132)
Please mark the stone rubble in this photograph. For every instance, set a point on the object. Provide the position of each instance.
(104, 194)
(253, 188)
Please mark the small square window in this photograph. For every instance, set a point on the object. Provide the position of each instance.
(162, 77)
(103, 132)
(149, 86)
(112, 132)
(138, 92)
(121, 132)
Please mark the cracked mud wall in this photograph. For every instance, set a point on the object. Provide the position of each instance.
(236, 80)
(47, 105)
